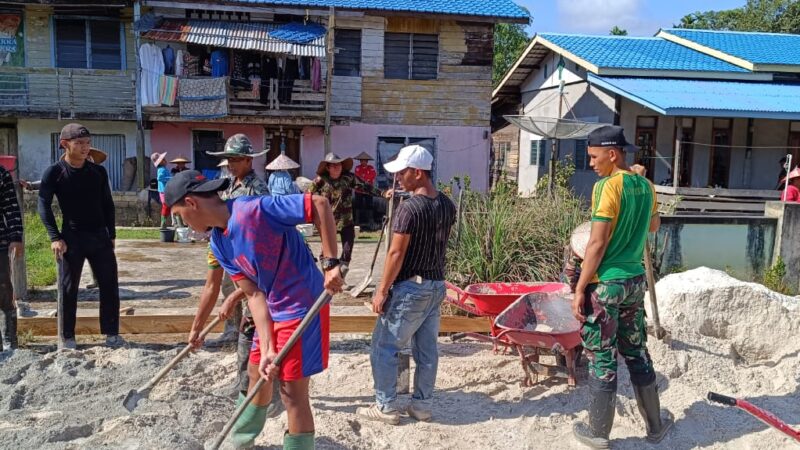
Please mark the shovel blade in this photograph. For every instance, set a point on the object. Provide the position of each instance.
(356, 291)
(132, 399)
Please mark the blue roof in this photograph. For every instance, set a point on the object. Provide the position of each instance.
(642, 53)
(506, 9)
(708, 98)
(757, 48)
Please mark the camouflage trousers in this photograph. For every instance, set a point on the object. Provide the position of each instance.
(615, 324)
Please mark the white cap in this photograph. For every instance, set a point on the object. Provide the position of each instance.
(414, 156)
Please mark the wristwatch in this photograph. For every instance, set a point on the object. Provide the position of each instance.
(329, 263)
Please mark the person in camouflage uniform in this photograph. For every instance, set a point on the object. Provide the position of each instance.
(239, 156)
(337, 183)
(609, 295)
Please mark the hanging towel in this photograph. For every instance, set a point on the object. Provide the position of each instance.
(167, 90)
(316, 75)
(203, 98)
(152, 62)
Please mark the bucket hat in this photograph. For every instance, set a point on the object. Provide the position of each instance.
(333, 158)
(238, 146)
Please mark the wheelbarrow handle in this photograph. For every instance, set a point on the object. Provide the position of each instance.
(719, 398)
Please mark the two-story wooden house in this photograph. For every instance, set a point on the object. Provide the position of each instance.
(403, 72)
(61, 62)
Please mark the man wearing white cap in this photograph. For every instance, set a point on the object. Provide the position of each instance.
(411, 289)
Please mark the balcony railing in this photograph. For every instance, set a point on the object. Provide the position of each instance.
(67, 93)
(293, 99)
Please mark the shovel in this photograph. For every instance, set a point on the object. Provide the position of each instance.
(321, 301)
(356, 291)
(133, 397)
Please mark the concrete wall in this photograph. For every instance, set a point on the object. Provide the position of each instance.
(130, 209)
(459, 150)
(740, 245)
(787, 246)
(34, 140)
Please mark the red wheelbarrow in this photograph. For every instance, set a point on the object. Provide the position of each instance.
(490, 299)
(542, 321)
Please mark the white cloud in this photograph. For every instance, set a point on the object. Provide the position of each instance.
(600, 16)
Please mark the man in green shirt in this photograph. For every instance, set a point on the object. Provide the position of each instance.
(609, 296)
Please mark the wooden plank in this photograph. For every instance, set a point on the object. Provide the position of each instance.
(744, 193)
(719, 206)
(155, 324)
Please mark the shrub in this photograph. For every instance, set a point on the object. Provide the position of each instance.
(502, 237)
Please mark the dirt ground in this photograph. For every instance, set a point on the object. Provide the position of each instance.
(160, 278)
(73, 399)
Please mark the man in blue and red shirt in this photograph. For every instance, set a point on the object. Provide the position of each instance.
(255, 241)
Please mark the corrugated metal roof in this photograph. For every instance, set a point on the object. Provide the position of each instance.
(708, 98)
(757, 48)
(642, 53)
(238, 35)
(506, 9)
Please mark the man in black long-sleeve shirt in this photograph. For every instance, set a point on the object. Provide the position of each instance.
(87, 230)
(10, 245)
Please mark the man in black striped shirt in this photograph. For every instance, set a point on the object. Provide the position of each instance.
(10, 245)
(411, 289)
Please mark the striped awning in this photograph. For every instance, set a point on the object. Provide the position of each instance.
(237, 35)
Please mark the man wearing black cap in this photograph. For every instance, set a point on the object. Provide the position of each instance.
(255, 240)
(87, 230)
(609, 296)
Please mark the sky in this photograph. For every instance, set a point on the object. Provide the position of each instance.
(639, 17)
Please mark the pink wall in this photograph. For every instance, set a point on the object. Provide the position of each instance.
(460, 150)
(176, 138)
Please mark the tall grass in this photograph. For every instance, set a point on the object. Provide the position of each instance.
(39, 260)
(506, 238)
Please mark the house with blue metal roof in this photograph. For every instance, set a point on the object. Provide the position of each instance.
(706, 109)
(303, 77)
(756, 52)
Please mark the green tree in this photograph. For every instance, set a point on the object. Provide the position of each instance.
(617, 31)
(509, 42)
(777, 16)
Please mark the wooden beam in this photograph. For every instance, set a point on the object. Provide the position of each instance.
(160, 324)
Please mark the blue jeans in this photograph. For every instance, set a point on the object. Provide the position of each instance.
(411, 315)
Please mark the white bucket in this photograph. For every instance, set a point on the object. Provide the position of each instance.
(182, 235)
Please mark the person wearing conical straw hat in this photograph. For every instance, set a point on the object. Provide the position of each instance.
(163, 176)
(792, 192)
(336, 182)
(363, 203)
(280, 181)
(180, 164)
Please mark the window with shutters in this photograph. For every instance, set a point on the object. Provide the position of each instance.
(347, 62)
(411, 56)
(538, 149)
(89, 44)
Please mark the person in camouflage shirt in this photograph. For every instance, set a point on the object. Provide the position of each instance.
(239, 155)
(337, 183)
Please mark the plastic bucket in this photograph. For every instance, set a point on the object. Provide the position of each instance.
(182, 235)
(167, 235)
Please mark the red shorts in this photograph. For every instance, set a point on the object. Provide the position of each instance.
(309, 355)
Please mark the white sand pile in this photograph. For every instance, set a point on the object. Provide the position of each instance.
(758, 323)
(736, 339)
